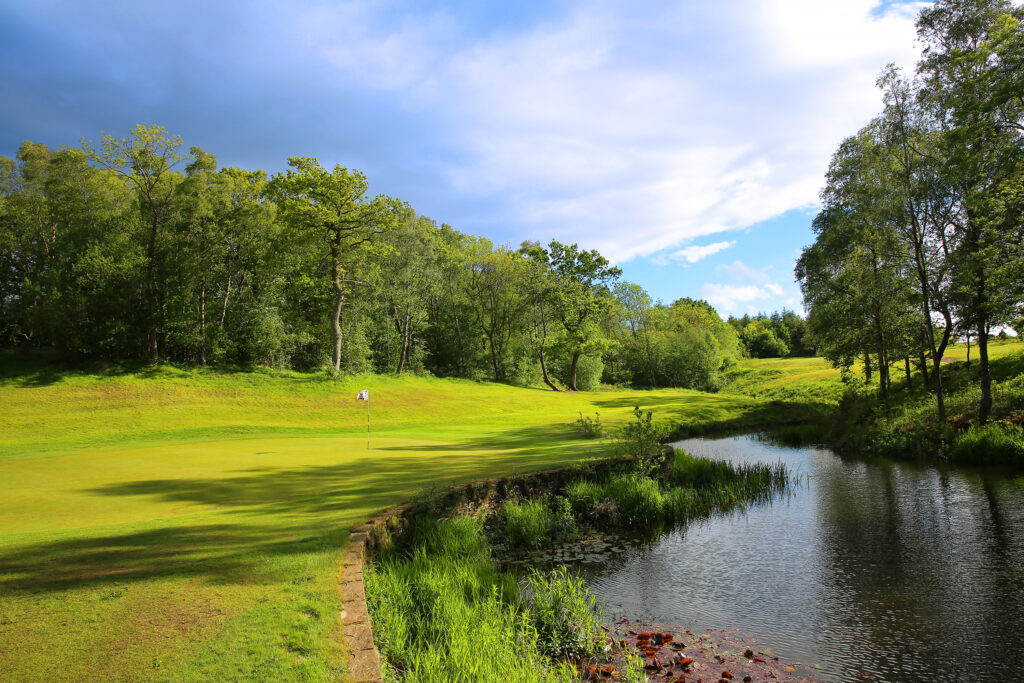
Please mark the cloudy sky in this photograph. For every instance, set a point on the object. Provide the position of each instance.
(686, 141)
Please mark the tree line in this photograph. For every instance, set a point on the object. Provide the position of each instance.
(136, 249)
(920, 240)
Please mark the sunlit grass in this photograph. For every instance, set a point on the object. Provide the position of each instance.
(177, 524)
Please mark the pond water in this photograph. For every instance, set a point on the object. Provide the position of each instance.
(871, 568)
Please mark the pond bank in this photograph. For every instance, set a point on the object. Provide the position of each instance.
(441, 605)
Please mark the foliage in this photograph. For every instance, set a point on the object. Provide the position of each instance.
(641, 440)
(919, 237)
(589, 428)
(442, 611)
(566, 616)
(991, 443)
(527, 523)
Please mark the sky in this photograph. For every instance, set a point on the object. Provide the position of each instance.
(686, 141)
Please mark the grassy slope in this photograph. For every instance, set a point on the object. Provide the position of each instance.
(187, 525)
(814, 380)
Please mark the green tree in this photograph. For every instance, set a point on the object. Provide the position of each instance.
(331, 209)
(146, 160)
(971, 70)
(581, 297)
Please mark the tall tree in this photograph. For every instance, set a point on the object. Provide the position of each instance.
(581, 297)
(331, 208)
(146, 160)
(915, 174)
(971, 64)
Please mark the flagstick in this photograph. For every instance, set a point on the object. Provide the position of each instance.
(367, 422)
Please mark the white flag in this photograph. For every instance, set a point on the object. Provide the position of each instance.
(363, 395)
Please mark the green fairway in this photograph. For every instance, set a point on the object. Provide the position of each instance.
(187, 525)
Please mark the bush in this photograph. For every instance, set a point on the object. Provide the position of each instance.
(564, 613)
(995, 442)
(588, 428)
(588, 373)
(637, 498)
(641, 440)
(526, 523)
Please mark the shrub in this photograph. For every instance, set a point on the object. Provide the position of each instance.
(526, 523)
(641, 439)
(588, 373)
(563, 523)
(589, 428)
(564, 613)
(992, 443)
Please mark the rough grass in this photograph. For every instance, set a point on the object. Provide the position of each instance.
(186, 524)
(443, 611)
(908, 426)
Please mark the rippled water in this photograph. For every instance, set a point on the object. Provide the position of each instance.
(900, 571)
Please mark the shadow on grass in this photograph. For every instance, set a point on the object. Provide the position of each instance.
(279, 512)
(537, 440)
(41, 367)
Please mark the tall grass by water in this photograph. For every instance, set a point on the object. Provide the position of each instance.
(442, 609)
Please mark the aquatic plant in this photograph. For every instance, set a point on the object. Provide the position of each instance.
(565, 614)
(526, 523)
(443, 612)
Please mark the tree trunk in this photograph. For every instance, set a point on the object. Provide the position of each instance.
(458, 329)
(650, 357)
(387, 337)
(154, 352)
(867, 368)
(538, 315)
(908, 372)
(985, 405)
(202, 322)
(494, 357)
(224, 306)
(572, 371)
(924, 373)
(339, 303)
(968, 351)
(404, 356)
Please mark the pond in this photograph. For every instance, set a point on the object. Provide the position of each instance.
(869, 569)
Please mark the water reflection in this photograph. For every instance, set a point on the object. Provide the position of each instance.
(901, 571)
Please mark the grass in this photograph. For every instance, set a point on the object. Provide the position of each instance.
(907, 425)
(187, 524)
(443, 611)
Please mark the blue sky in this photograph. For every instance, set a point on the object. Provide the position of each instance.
(686, 141)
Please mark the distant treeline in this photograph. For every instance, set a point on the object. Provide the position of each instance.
(920, 238)
(133, 249)
(778, 335)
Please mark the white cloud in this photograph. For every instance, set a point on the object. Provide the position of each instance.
(741, 272)
(727, 298)
(633, 129)
(696, 252)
